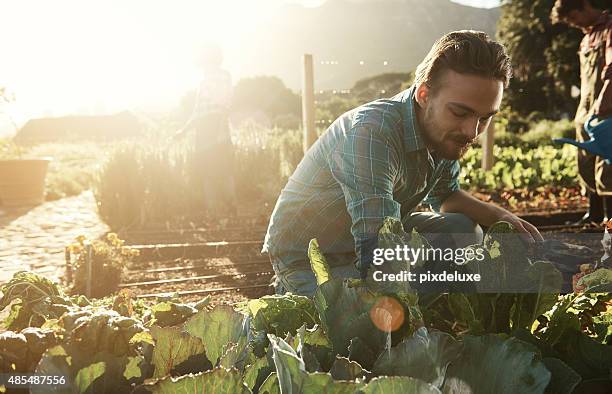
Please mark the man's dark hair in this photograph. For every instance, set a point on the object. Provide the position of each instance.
(465, 52)
(562, 8)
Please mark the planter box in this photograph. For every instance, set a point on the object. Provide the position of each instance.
(22, 181)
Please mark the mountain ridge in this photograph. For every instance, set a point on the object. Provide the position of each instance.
(376, 30)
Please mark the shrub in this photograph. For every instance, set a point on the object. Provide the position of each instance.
(543, 131)
(109, 258)
(519, 167)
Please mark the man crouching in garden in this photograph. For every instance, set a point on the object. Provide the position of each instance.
(386, 157)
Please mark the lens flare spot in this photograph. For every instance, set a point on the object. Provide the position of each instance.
(387, 314)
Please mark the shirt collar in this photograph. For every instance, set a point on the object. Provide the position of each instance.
(413, 136)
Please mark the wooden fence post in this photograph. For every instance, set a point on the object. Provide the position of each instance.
(68, 259)
(487, 148)
(88, 264)
(308, 107)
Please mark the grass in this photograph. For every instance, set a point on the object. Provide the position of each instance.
(159, 182)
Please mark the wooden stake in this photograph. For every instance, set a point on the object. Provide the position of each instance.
(487, 148)
(68, 265)
(308, 108)
(88, 264)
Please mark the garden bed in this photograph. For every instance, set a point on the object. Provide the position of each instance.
(352, 336)
(237, 267)
(241, 277)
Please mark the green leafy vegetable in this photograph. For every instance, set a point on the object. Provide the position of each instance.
(172, 347)
(424, 356)
(399, 385)
(218, 380)
(492, 363)
(216, 329)
(318, 263)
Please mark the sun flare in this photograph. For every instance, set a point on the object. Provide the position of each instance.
(106, 55)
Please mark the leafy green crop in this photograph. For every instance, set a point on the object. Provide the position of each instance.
(281, 315)
(354, 336)
(21, 351)
(33, 300)
(517, 167)
(600, 280)
(109, 257)
(171, 312)
(425, 356)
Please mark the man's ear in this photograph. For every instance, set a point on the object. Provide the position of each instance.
(422, 95)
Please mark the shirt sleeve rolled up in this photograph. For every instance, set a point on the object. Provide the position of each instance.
(365, 165)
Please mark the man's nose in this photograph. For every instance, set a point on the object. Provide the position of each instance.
(470, 127)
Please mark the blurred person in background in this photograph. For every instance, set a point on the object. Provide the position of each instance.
(214, 153)
(595, 96)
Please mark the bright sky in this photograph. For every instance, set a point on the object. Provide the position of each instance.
(479, 3)
(63, 56)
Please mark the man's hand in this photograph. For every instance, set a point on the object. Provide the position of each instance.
(486, 214)
(528, 231)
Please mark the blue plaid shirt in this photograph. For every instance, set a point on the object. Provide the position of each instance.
(370, 163)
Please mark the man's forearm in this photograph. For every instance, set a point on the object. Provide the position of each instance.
(479, 211)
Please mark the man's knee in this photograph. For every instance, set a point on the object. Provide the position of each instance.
(465, 231)
(302, 281)
(296, 281)
(461, 223)
(454, 228)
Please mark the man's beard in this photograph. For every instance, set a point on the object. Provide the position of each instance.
(453, 145)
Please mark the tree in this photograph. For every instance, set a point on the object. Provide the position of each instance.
(372, 88)
(265, 94)
(544, 57)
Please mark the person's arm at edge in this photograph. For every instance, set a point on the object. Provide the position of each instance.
(603, 105)
(191, 121)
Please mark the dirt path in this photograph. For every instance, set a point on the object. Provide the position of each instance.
(34, 238)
